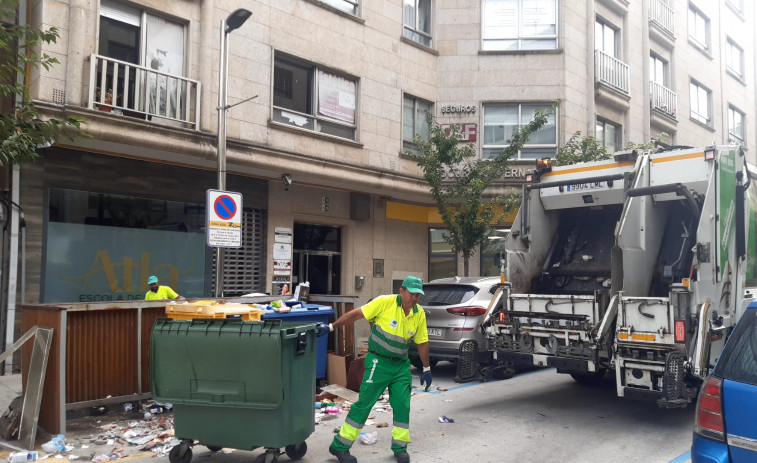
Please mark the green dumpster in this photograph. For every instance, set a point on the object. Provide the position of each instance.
(237, 384)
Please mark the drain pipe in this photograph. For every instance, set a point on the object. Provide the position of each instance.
(13, 227)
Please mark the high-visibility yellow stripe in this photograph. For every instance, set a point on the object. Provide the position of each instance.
(679, 157)
(575, 170)
(638, 336)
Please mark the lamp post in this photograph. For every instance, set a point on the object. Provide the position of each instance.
(232, 22)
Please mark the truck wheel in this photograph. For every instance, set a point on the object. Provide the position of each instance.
(296, 451)
(181, 453)
(591, 378)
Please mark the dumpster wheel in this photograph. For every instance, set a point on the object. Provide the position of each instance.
(296, 451)
(269, 456)
(214, 448)
(181, 453)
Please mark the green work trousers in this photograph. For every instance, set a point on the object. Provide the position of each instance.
(380, 373)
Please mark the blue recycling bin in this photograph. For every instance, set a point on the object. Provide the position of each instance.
(308, 313)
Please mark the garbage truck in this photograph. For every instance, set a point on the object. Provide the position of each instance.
(637, 266)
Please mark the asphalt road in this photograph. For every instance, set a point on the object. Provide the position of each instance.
(537, 416)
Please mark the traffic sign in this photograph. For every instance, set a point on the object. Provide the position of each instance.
(224, 226)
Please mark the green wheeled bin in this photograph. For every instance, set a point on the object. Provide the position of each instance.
(236, 384)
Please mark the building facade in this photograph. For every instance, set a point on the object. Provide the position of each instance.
(336, 90)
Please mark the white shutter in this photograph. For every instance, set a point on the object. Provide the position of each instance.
(120, 12)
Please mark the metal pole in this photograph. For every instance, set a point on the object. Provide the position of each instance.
(222, 77)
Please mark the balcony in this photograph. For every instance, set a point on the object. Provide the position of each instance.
(663, 99)
(611, 72)
(143, 93)
(664, 107)
(662, 15)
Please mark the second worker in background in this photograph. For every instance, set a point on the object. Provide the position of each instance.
(397, 320)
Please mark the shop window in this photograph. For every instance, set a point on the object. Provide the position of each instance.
(501, 121)
(308, 97)
(317, 257)
(442, 261)
(491, 250)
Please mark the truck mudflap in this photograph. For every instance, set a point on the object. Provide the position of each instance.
(469, 369)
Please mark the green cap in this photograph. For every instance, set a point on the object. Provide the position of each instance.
(152, 279)
(413, 284)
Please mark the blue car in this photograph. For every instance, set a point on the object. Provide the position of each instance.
(726, 423)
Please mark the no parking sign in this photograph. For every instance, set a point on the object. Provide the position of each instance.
(224, 219)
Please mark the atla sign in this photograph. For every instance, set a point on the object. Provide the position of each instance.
(468, 131)
(224, 227)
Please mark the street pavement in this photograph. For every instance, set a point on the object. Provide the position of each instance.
(536, 416)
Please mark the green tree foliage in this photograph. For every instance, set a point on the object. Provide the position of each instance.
(588, 149)
(458, 180)
(22, 129)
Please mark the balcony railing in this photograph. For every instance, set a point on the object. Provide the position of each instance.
(663, 99)
(142, 92)
(663, 15)
(611, 71)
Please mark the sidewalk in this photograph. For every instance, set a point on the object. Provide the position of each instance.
(110, 436)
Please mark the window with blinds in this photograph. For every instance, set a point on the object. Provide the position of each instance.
(244, 267)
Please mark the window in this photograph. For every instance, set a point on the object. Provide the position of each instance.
(136, 36)
(501, 121)
(608, 134)
(490, 251)
(520, 25)
(417, 20)
(658, 69)
(735, 126)
(414, 121)
(605, 38)
(348, 6)
(442, 261)
(738, 361)
(311, 98)
(700, 103)
(699, 28)
(734, 58)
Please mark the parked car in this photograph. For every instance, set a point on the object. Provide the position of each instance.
(454, 310)
(725, 429)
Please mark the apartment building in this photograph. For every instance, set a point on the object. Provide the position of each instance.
(335, 91)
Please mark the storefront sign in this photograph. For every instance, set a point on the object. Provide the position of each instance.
(449, 109)
(91, 263)
(468, 131)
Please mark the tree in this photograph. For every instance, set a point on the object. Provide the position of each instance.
(588, 149)
(22, 129)
(466, 212)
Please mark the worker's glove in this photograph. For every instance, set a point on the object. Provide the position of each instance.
(323, 329)
(426, 379)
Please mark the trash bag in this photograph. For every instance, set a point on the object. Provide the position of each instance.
(368, 438)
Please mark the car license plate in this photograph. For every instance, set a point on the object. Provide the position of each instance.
(434, 331)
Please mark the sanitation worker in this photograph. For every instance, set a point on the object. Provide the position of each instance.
(397, 320)
(158, 292)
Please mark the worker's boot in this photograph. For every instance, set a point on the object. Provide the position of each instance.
(402, 457)
(343, 456)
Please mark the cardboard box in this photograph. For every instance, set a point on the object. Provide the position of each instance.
(337, 367)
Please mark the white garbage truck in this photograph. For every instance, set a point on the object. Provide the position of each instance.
(639, 266)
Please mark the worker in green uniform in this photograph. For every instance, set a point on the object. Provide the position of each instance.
(397, 319)
(158, 292)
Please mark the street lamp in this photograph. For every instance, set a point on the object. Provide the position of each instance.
(232, 22)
